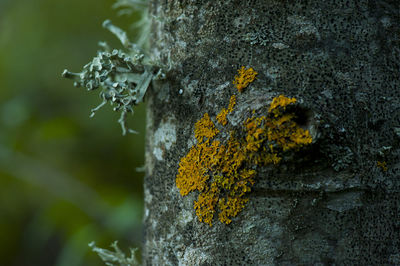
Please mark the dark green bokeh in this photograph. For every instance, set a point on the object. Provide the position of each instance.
(65, 179)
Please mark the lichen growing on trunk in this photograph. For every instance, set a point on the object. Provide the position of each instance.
(223, 171)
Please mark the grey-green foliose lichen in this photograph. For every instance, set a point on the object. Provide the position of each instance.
(122, 75)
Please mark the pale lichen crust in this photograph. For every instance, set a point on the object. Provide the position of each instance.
(223, 171)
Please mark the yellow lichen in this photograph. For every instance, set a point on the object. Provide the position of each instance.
(382, 165)
(192, 175)
(278, 130)
(244, 77)
(205, 128)
(230, 208)
(224, 173)
(221, 117)
(280, 101)
(205, 204)
(232, 103)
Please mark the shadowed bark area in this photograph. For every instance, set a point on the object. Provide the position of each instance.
(336, 200)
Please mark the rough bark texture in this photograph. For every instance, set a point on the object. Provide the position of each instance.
(335, 202)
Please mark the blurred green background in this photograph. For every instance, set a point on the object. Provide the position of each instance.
(65, 179)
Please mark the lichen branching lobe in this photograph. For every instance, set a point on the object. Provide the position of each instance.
(244, 78)
(224, 171)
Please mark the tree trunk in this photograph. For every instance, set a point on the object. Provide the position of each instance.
(332, 201)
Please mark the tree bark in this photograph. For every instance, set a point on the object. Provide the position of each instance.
(334, 202)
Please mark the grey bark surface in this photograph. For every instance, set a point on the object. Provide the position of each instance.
(329, 204)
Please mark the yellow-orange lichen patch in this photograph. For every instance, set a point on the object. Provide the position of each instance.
(221, 117)
(230, 208)
(224, 173)
(275, 133)
(280, 101)
(285, 132)
(205, 128)
(192, 175)
(382, 165)
(232, 103)
(206, 203)
(244, 78)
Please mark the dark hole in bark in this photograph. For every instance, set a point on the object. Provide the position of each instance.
(304, 116)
